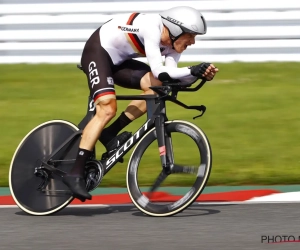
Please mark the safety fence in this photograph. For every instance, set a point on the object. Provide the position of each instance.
(55, 31)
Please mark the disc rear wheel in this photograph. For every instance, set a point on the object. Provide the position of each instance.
(36, 190)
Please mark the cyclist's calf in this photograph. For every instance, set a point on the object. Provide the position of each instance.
(106, 110)
(137, 108)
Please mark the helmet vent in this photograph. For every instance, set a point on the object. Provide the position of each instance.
(204, 23)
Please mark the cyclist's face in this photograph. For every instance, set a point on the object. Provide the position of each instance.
(184, 41)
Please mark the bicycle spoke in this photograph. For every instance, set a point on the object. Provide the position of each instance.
(162, 176)
(179, 169)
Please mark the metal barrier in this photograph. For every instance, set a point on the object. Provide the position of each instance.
(237, 30)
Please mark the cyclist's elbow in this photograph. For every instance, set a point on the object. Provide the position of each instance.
(155, 73)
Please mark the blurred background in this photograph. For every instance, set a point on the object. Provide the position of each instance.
(252, 118)
(44, 31)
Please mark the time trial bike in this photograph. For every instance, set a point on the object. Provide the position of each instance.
(49, 150)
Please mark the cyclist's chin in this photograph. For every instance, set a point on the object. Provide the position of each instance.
(180, 49)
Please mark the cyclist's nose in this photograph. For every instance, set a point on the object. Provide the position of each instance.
(193, 40)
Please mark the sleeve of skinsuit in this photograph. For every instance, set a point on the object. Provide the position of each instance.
(172, 60)
(151, 43)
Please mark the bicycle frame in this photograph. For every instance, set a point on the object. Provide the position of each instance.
(156, 117)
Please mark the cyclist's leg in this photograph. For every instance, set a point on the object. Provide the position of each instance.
(137, 108)
(96, 64)
(131, 74)
(136, 75)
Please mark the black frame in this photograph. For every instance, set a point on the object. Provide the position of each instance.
(156, 117)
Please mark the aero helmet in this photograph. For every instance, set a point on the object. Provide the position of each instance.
(183, 19)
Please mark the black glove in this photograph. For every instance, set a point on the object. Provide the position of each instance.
(198, 70)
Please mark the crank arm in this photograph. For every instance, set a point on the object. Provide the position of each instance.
(56, 191)
(53, 169)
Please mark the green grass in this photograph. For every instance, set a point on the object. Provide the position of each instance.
(252, 118)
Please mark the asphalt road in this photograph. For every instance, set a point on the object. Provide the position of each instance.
(212, 227)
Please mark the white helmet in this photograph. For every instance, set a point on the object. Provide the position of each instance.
(183, 19)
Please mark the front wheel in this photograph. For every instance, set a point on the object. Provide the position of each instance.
(189, 156)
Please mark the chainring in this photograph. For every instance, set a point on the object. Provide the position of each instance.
(94, 172)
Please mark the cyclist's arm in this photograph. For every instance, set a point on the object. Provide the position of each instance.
(172, 60)
(151, 43)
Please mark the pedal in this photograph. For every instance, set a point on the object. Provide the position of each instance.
(106, 155)
(115, 144)
(121, 160)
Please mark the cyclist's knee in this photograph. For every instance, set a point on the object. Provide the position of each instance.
(149, 80)
(106, 108)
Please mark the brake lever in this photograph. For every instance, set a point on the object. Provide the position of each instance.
(201, 108)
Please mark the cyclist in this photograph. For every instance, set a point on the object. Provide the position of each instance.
(108, 59)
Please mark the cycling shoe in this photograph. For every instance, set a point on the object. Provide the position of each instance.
(117, 141)
(77, 186)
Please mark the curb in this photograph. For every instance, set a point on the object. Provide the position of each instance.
(4, 191)
(216, 194)
(124, 198)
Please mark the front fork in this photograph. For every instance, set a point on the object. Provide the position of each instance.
(164, 144)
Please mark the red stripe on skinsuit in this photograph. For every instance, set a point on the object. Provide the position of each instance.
(132, 37)
(134, 41)
(132, 16)
(103, 94)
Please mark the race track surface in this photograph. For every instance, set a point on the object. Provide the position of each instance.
(228, 227)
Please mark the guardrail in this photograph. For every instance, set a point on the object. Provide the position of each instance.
(237, 30)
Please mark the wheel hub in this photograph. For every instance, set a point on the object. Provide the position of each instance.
(41, 173)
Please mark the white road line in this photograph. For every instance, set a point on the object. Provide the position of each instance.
(72, 206)
(277, 198)
(249, 202)
(245, 202)
(8, 206)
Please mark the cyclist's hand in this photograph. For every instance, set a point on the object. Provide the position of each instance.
(211, 72)
(204, 71)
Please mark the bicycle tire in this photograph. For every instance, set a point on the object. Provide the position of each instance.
(39, 143)
(140, 200)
